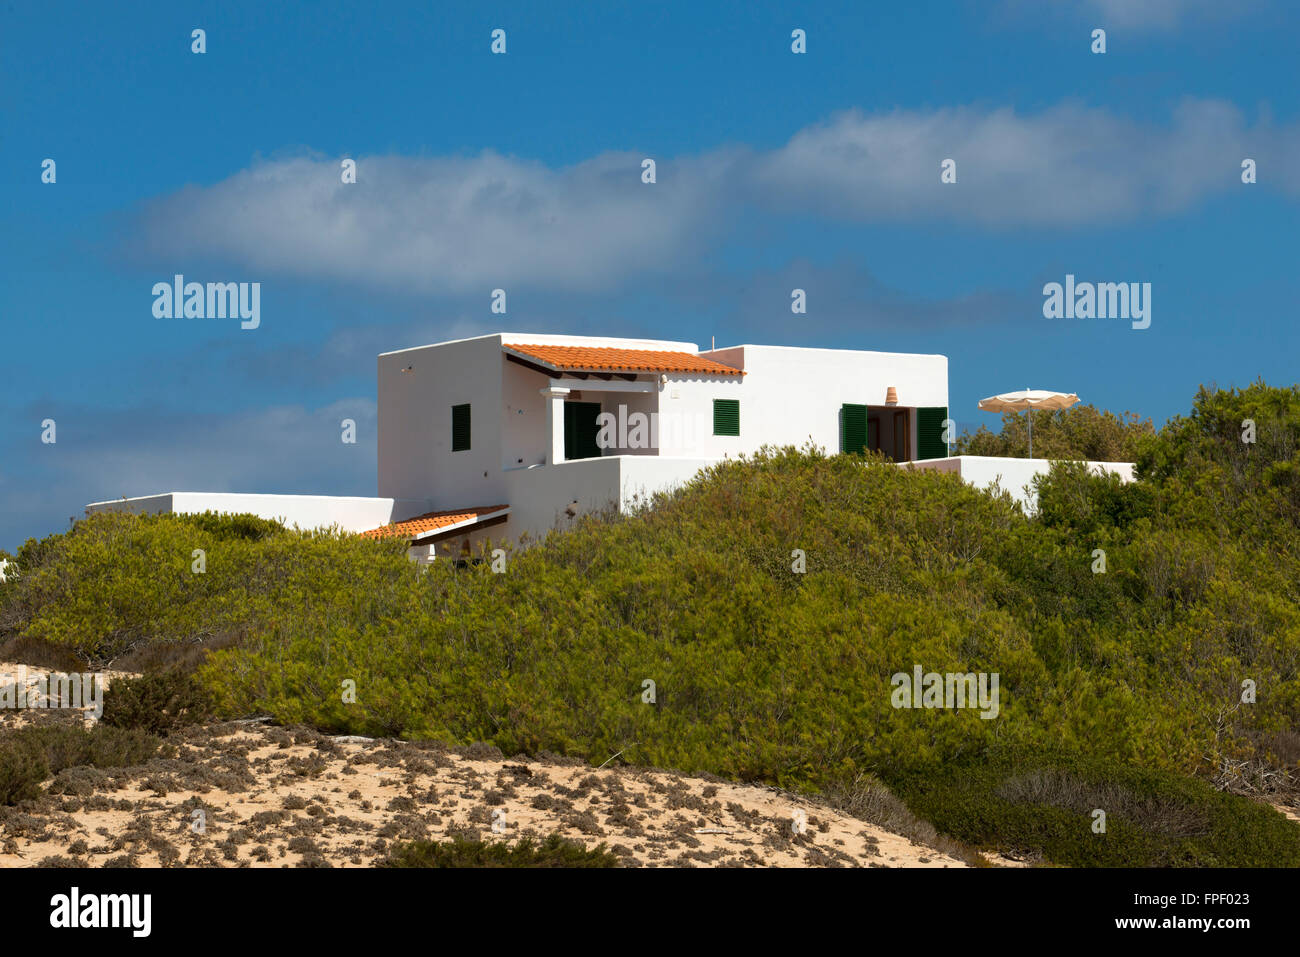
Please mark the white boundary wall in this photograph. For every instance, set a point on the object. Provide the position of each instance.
(350, 513)
(1013, 475)
(539, 495)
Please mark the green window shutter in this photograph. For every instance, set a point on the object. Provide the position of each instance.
(460, 428)
(726, 416)
(853, 428)
(929, 433)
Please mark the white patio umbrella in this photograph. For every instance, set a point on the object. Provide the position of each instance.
(1027, 401)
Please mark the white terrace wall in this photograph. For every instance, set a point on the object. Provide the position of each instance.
(1012, 475)
(539, 495)
(351, 513)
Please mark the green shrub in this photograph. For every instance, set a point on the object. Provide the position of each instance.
(763, 672)
(22, 769)
(155, 703)
(1043, 805)
(553, 852)
(30, 755)
(120, 585)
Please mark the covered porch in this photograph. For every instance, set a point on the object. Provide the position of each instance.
(606, 401)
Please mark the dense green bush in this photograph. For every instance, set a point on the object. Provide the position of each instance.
(118, 584)
(1044, 806)
(156, 703)
(762, 672)
(553, 852)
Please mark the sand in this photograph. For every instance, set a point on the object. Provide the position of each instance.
(274, 797)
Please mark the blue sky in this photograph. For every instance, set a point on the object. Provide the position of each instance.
(775, 171)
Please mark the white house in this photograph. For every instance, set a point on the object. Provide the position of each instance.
(521, 432)
(511, 433)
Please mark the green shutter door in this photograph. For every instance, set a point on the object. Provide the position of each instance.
(929, 433)
(581, 430)
(853, 428)
(726, 416)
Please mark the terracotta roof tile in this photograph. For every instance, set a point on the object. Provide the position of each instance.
(606, 359)
(430, 522)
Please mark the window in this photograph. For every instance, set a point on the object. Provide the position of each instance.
(460, 428)
(929, 433)
(726, 416)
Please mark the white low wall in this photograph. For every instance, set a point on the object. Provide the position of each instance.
(539, 495)
(642, 476)
(1012, 475)
(350, 513)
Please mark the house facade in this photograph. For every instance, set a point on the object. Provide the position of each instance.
(510, 435)
(517, 433)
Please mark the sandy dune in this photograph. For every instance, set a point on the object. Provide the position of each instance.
(274, 797)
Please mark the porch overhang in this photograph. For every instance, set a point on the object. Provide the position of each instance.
(610, 363)
(435, 526)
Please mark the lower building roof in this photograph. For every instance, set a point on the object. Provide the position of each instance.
(421, 526)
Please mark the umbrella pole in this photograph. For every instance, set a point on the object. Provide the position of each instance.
(1030, 413)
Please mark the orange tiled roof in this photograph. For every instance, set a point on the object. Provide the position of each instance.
(606, 359)
(430, 522)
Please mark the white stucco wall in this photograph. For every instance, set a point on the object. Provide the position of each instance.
(415, 456)
(140, 505)
(351, 513)
(645, 403)
(791, 395)
(686, 417)
(523, 416)
(1012, 475)
(640, 478)
(540, 495)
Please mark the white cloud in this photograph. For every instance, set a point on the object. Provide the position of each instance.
(463, 226)
(1067, 166)
(450, 225)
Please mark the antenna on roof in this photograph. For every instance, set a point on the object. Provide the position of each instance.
(713, 343)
